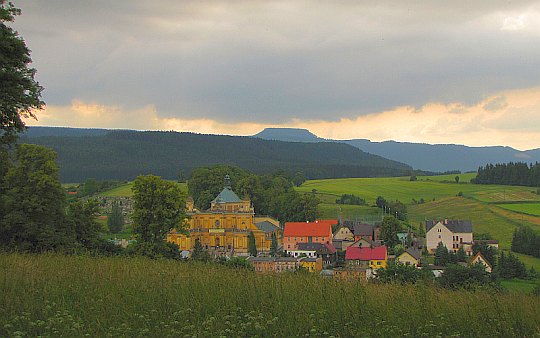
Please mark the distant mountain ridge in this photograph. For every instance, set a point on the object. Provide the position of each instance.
(125, 154)
(430, 157)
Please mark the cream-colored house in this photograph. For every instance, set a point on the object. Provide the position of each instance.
(343, 237)
(454, 234)
(410, 257)
(479, 259)
(344, 233)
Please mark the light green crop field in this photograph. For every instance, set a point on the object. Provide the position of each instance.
(526, 208)
(483, 204)
(360, 212)
(402, 189)
(125, 190)
(76, 296)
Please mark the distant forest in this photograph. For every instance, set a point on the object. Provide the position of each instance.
(123, 155)
(509, 174)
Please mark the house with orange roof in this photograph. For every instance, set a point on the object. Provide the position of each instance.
(319, 231)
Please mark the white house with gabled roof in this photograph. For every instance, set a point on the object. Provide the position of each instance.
(454, 234)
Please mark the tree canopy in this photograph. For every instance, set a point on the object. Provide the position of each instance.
(34, 202)
(272, 195)
(158, 207)
(21, 93)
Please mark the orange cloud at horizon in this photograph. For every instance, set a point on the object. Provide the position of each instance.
(510, 118)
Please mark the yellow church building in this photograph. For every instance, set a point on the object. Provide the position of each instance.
(224, 228)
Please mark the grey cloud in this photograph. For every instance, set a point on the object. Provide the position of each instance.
(272, 61)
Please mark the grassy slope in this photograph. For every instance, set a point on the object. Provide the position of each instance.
(483, 204)
(125, 190)
(526, 208)
(46, 295)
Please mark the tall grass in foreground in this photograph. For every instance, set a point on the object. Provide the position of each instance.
(51, 295)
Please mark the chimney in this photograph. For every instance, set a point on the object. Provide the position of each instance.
(446, 221)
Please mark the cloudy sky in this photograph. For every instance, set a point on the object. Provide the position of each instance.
(465, 72)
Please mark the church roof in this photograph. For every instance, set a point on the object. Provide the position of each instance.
(226, 196)
(266, 226)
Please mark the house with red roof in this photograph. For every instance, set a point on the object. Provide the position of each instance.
(319, 231)
(366, 257)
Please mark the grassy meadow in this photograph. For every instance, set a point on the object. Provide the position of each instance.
(124, 190)
(51, 295)
(525, 208)
(495, 209)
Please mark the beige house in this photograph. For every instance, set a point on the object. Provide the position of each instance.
(343, 237)
(479, 259)
(410, 257)
(454, 234)
(344, 233)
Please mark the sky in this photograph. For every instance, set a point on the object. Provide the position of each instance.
(463, 72)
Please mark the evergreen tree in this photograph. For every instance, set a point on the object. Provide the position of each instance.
(199, 254)
(461, 256)
(489, 252)
(274, 246)
(115, 220)
(252, 247)
(510, 267)
(441, 255)
(390, 226)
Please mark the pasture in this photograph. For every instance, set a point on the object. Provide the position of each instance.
(72, 296)
(495, 209)
(525, 208)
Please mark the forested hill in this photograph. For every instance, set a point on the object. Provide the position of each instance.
(125, 154)
(431, 157)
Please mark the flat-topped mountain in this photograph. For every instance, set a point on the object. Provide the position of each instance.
(288, 134)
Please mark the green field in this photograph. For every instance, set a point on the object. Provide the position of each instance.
(495, 209)
(404, 190)
(124, 190)
(526, 208)
(74, 296)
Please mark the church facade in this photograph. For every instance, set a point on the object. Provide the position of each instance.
(224, 229)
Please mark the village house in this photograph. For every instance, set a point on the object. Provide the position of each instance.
(411, 256)
(319, 231)
(224, 229)
(325, 251)
(365, 231)
(343, 237)
(366, 243)
(493, 243)
(454, 234)
(282, 264)
(349, 274)
(480, 259)
(366, 257)
(311, 264)
(262, 264)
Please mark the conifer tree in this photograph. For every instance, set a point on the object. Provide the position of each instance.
(252, 247)
(115, 220)
(273, 246)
